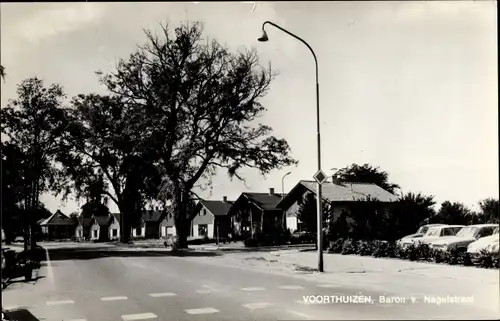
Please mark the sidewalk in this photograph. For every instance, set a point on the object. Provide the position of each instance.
(393, 276)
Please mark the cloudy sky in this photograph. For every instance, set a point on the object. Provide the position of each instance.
(407, 86)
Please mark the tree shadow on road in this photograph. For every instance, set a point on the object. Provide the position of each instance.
(17, 280)
(20, 315)
(99, 253)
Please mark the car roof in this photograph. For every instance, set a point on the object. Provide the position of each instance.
(483, 225)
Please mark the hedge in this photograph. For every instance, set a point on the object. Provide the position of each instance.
(421, 252)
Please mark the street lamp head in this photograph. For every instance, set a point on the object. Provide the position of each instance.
(263, 37)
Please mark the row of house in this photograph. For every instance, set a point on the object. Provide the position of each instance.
(249, 214)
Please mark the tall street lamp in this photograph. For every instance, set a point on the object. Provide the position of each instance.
(283, 195)
(264, 38)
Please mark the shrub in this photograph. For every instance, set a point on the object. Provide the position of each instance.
(391, 249)
(454, 256)
(364, 248)
(466, 259)
(404, 252)
(413, 253)
(349, 247)
(380, 250)
(424, 252)
(487, 259)
(336, 246)
(439, 256)
(384, 249)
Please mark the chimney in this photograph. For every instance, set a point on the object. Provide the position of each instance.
(224, 199)
(271, 191)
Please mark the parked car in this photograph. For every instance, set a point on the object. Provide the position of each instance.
(424, 228)
(464, 237)
(434, 233)
(487, 243)
(19, 239)
(408, 239)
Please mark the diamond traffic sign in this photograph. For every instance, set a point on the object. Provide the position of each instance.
(320, 177)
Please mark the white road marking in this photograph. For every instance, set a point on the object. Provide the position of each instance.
(114, 298)
(139, 316)
(60, 302)
(327, 285)
(253, 289)
(160, 295)
(291, 287)
(259, 305)
(300, 314)
(302, 302)
(201, 311)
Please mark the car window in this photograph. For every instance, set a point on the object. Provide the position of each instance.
(486, 231)
(448, 232)
(423, 229)
(433, 232)
(468, 231)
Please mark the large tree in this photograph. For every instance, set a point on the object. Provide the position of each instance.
(196, 107)
(106, 152)
(14, 188)
(33, 124)
(307, 213)
(366, 174)
(490, 211)
(410, 212)
(452, 213)
(369, 219)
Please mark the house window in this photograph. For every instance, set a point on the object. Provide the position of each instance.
(95, 233)
(115, 232)
(202, 230)
(138, 231)
(204, 212)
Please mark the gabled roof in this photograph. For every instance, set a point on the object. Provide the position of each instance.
(151, 216)
(169, 217)
(345, 192)
(57, 219)
(217, 208)
(263, 201)
(117, 216)
(102, 220)
(86, 222)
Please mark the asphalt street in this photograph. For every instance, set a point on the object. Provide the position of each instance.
(102, 284)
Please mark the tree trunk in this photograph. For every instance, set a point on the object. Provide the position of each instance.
(180, 205)
(124, 223)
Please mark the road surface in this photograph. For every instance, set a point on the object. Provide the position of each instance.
(102, 284)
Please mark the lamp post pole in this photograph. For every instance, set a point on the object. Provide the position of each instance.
(319, 196)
